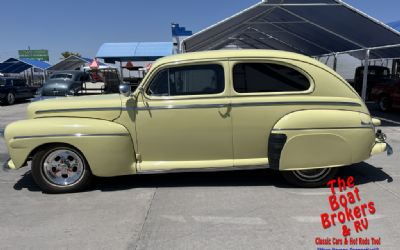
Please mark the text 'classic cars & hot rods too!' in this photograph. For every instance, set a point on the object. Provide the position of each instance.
(216, 110)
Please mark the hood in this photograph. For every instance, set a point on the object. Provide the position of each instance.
(106, 107)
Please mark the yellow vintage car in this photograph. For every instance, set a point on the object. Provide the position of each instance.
(216, 110)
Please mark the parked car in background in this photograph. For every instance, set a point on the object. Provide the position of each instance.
(64, 83)
(12, 89)
(376, 74)
(214, 110)
(387, 95)
(73, 83)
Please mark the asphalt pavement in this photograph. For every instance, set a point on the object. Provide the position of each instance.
(225, 210)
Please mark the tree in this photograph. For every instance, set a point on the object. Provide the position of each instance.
(67, 54)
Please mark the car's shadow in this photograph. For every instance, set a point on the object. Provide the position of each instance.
(363, 173)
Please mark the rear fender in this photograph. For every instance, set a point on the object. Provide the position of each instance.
(321, 138)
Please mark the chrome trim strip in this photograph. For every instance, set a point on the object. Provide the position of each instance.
(295, 129)
(353, 104)
(201, 106)
(200, 170)
(191, 106)
(68, 135)
(77, 110)
(249, 104)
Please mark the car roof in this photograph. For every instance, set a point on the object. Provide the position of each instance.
(226, 54)
(242, 53)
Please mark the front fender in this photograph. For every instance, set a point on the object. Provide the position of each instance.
(107, 146)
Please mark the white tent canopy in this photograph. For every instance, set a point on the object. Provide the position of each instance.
(311, 27)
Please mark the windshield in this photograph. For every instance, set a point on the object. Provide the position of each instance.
(61, 76)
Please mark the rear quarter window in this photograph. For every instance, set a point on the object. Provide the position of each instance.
(268, 78)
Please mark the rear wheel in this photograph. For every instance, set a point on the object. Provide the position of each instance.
(310, 178)
(384, 103)
(60, 169)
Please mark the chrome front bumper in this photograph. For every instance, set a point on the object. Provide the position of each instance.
(11, 165)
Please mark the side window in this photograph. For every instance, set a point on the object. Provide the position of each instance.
(188, 80)
(267, 77)
(160, 84)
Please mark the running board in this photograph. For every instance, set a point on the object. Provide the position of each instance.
(200, 170)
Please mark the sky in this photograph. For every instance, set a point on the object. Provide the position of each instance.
(83, 25)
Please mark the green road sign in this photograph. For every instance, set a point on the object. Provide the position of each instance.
(40, 54)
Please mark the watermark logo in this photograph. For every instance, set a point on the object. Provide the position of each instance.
(349, 213)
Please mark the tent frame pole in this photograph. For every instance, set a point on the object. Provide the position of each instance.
(372, 48)
(335, 59)
(365, 75)
(322, 28)
(121, 69)
(32, 77)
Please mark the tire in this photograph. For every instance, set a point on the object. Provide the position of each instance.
(310, 178)
(385, 103)
(66, 171)
(10, 98)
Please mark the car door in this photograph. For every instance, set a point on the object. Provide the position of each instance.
(183, 118)
(25, 90)
(261, 95)
(15, 88)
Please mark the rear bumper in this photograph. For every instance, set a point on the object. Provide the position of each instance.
(379, 148)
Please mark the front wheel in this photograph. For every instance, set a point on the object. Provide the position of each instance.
(60, 169)
(10, 98)
(310, 178)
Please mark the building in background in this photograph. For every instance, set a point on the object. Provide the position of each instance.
(178, 35)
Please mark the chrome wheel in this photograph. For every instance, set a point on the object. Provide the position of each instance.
(10, 98)
(313, 175)
(63, 167)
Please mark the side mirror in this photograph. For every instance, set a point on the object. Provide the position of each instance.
(125, 89)
(141, 90)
